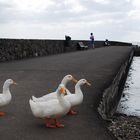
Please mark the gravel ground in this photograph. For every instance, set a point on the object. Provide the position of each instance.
(125, 127)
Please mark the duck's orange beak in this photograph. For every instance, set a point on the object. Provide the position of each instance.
(88, 83)
(14, 83)
(62, 91)
(74, 80)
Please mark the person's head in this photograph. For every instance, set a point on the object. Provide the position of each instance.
(91, 33)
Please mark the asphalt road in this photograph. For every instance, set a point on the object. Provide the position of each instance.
(39, 76)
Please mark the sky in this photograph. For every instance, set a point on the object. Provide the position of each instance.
(117, 20)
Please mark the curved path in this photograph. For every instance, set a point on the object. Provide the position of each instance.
(39, 76)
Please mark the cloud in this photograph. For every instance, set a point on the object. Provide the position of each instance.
(55, 18)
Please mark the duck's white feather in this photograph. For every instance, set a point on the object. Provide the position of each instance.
(50, 109)
(76, 98)
(5, 96)
(53, 95)
(46, 97)
(5, 99)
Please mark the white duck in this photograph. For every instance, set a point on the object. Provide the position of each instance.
(5, 96)
(53, 95)
(77, 98)
(51, 109)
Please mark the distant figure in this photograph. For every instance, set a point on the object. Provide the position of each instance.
(92, 40)
(106, 43)
(67, 41)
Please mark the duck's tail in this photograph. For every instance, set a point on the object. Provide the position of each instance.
(34, 98)
(34, 107)
(32, 104)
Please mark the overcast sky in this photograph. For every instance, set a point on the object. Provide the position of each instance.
(53, 19)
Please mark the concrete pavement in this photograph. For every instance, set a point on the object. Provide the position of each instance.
(39, 76)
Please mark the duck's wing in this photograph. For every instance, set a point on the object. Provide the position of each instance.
(1, 96)
(51, 107)
(46, 97)
(50, 96)
(3, 100)
(68, 92)
(35, 108)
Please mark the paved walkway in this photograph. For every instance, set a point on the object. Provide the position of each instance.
(39, 76)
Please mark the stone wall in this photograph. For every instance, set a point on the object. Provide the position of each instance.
(117, 43)
(112, 94)
(15, 49)
(137, 51)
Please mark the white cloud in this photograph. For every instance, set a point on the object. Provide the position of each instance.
(33, 5)
(102, 1)
(134, 14)
(75, 6)
(110, 19)
(136, 3)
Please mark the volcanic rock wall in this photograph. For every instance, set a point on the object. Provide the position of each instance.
(112, 94)
(15, 49)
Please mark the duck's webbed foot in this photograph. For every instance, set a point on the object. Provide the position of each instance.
(58, 124)
(72, 112)
(2, 114)
(48, 123)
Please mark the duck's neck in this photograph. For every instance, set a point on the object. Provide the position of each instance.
(60, 98)
(64, 82)
(6, 89)
(78, 90)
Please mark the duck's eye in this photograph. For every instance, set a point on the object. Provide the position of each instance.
(84, 80)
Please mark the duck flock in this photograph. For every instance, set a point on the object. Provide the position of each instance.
(53, 105)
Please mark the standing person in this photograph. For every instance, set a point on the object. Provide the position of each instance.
(92, 40)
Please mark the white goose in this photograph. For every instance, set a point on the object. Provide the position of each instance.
(77, 98)
(53, 95)
(51, 109)
(5, 96)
